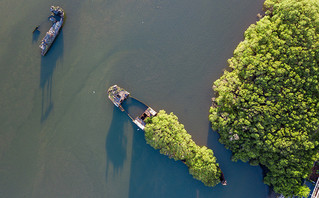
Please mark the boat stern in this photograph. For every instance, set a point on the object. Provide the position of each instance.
(117, 95)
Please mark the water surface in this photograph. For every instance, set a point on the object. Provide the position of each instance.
(61, 137)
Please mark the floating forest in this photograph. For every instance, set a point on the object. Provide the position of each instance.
(164, 132)
(266, 107)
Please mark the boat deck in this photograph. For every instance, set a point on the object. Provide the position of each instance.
(117, 95)
(57, 18)
(140, 121)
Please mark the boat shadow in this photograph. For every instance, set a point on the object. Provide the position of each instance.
(155, 175)
(48, 66)
(35, 36)
(116, 143)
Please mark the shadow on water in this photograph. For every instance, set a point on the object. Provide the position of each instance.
(48, 65)
(116, 142)
(222, 154)
(35, 36)
(155, 175)
(151, 174)
(250, 177)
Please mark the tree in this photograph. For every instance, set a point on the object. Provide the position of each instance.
(266, 108)
(164, 132)
(203, 166)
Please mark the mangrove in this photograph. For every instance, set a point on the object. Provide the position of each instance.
(266, 107)
(164, 132)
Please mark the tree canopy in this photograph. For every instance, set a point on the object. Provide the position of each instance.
(266, 107)
(164, 132)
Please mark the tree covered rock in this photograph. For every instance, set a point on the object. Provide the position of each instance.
(266, 107)
(164, 132)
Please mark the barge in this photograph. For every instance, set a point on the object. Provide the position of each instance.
(117, 95)
(57, 17)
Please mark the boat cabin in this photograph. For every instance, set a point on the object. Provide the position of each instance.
(140, 121)
(117, 95)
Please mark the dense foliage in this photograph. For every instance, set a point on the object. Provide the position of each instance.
(165, 133)
(266, 108)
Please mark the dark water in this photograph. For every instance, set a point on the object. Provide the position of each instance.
(61, 137)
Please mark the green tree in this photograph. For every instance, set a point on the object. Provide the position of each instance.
(164, 132)
(266, 108)
(203, 166)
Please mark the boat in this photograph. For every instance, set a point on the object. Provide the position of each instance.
(140, 121)
(117, 95)
(57, 17)
(222, 178)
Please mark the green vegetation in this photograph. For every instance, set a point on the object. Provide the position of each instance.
(267, 107)
(165, 133)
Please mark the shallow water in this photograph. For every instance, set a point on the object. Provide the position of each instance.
(60, 135)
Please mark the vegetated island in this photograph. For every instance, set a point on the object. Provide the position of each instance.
(164, 132)
(266, 108)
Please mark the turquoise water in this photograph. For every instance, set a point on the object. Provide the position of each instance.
(61, 137)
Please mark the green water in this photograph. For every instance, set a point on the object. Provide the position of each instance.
(61, 137)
